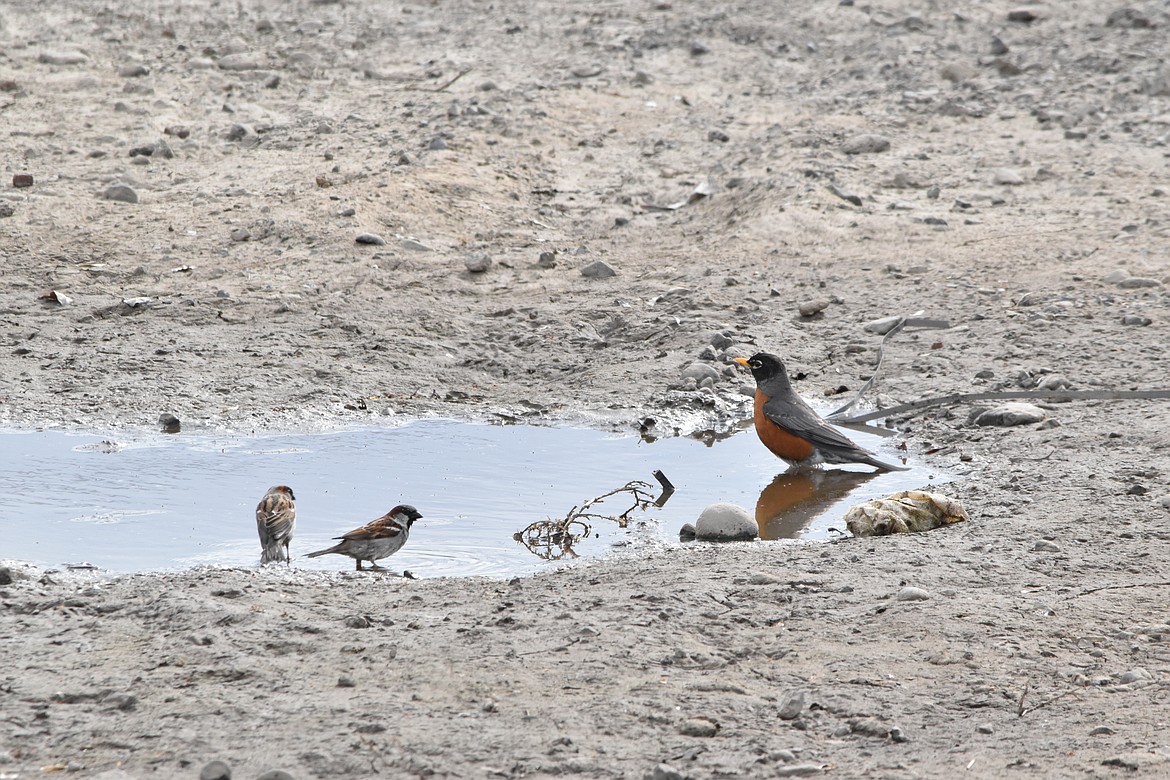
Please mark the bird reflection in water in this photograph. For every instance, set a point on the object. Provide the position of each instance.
(797, 496)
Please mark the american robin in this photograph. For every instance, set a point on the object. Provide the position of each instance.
(276, 519)
(377, 539)
(791, 429)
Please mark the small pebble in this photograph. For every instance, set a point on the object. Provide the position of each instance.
(345, 682)
(1022, 15)
(241, 234)
(792, 706)
(798, 770)
(998, 47)
(1134, 675)
(985, 728)
(1165, 501)
(179, 131)
(437, 144)
(1011, 413)
(698, 727)
(547, 260)
(598, 269)
(275, 774)
(370, 238)
(62, 58)
(1101, 731)
(1043, 545)
(216, 770)
(238, 62)
(699, 48)
(586, 71)
(1008, 177)
(866, 143)
(414, 245)
(1138, 282)
(22, 180)
(120, 193)
(881, 327)
(719, 136)
(701, 371)
(238, 132)
(169, 423)
(910, 593)
(1134, 319)
(687, 532)
(133, 71)
(478, 262)
(812, 308)
(666, 772)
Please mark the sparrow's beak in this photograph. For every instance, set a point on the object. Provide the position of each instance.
(742, 361)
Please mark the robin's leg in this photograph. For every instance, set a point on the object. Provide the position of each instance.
(359, 564)
(374, 565)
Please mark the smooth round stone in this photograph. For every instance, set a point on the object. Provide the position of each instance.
(724, 522)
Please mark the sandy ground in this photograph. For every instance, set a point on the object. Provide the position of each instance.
(1001, 167)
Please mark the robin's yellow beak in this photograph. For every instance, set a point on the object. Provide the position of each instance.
(742, 361)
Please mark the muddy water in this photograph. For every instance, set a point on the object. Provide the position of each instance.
(144, 502)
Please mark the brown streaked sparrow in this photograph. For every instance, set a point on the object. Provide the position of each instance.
(378, 539)
(276, 519)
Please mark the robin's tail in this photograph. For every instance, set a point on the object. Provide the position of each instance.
(334, 549)
(883, 465)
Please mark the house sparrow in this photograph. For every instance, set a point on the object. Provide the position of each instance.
(376, 540)
(276, 518)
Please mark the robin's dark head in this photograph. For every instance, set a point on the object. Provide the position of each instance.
(764, 367)
(411, 513)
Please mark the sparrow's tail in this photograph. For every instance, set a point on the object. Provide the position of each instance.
(274, 552)
(333, 549)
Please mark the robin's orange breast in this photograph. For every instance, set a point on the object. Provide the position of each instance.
(782, 443)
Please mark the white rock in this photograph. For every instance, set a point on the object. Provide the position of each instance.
(724, 522)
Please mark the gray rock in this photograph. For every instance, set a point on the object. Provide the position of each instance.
(1008, 176)
(798, 770)
(725, 522)
(370, 238)
(5, 575)
(867, 143)
(216, 770)
(1043, 545)
(275, 774)
(133, 71)
(701, 371)
(687, 532)
(239, 61)
(1138, 282)
(998, 47)
(1135, 319)
(1128, 18)
(1011, 413)
(910, 593)
(812, 308)
(791, 706)
(699, 48)
(239, 132)
(598, 269)
(1117, 275)
(414, 245)
(1165, 501)
(698, 727)
(547, 260)
(666, 772)
(478, 262)
(720, 340)
(7, 209)
(1134, 675)
(881, 327)
(437, 144)
(120, 193)
(241, 234)
(62, 57)
(169, 423)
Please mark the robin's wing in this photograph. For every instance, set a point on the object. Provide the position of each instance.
(800, 419)
(275, 516)
(384, 527)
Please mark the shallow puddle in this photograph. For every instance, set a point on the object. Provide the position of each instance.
(147, 502)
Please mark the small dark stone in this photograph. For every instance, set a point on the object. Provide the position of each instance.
(5, 575)
(370, 238)
(437, 144)
(275, 774)
(1022, 15)
(169, 423)
(718, 135)
(22, 180)
(547, 260)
